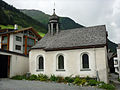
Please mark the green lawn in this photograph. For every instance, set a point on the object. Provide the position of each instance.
(41, 34)
(19, 27)
(9, 27)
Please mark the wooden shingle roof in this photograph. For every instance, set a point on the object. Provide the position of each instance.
(74, 38)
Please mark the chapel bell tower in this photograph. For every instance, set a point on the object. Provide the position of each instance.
(53, 25)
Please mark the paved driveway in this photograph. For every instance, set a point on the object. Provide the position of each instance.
(8, 84)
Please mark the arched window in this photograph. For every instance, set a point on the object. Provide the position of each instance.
(60, 62)
(40, 62)
(85, 61)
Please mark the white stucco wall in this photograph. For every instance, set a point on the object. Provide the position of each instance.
(102, 64)
(118, 57)
(116, 65)
(11, 42)
(13, 37)
(19, 65)
(72, 62)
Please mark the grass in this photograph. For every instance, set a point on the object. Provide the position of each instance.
(41, 34)
(9, 27)
(19, 27)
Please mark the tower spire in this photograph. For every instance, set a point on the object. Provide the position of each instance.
(54, 9)
(53, 26)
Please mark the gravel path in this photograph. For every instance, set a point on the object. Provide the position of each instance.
(8, 84)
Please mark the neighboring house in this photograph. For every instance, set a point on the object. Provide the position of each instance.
(14, 47)
(112, 53)
(116, 65)
(80, 51)
(117, 61)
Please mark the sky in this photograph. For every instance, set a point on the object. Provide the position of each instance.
(84, 12)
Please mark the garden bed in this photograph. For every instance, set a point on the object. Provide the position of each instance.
(77, 80)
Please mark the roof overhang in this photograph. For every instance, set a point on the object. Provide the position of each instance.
(24, 29)
(72, 48)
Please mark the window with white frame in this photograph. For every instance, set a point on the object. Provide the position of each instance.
(17, 47)
(18, 38)
(85, 61)
(60, 62)
(40, 63)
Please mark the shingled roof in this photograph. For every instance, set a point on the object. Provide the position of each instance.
(74, 38)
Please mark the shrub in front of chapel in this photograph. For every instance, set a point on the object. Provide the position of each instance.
(107, 86)
(60, 79)
(17, 77)
(69, 79)
(33, 77)
(79, 81)
(42, 77)
(53, 78)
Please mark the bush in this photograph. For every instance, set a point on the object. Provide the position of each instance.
(119, 80)
(69, 79)
(83, 81)
(77, 81)
(92, 82)
(60, 79)
(87, 78)
(42, 77)
(107, 86)
(33, 77)
(53, 78)
(17, 77)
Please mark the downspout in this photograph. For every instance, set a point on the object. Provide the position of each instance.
(97, 75)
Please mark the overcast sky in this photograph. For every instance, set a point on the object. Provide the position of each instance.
(85, 12)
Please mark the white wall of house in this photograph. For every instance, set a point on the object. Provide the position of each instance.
(72, 62)
(19, 65)
(116, 65)
(11, 42)
(118, 58)
(17, 42)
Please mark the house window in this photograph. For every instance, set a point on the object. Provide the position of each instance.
(85, 61)
(41, 63)
(4, 47)
(115, 62)
(60, 62)
(30, 41)
(18, 38)
(5, 42)
(5, 39)
(18, 47)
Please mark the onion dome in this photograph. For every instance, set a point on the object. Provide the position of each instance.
(54, 16)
